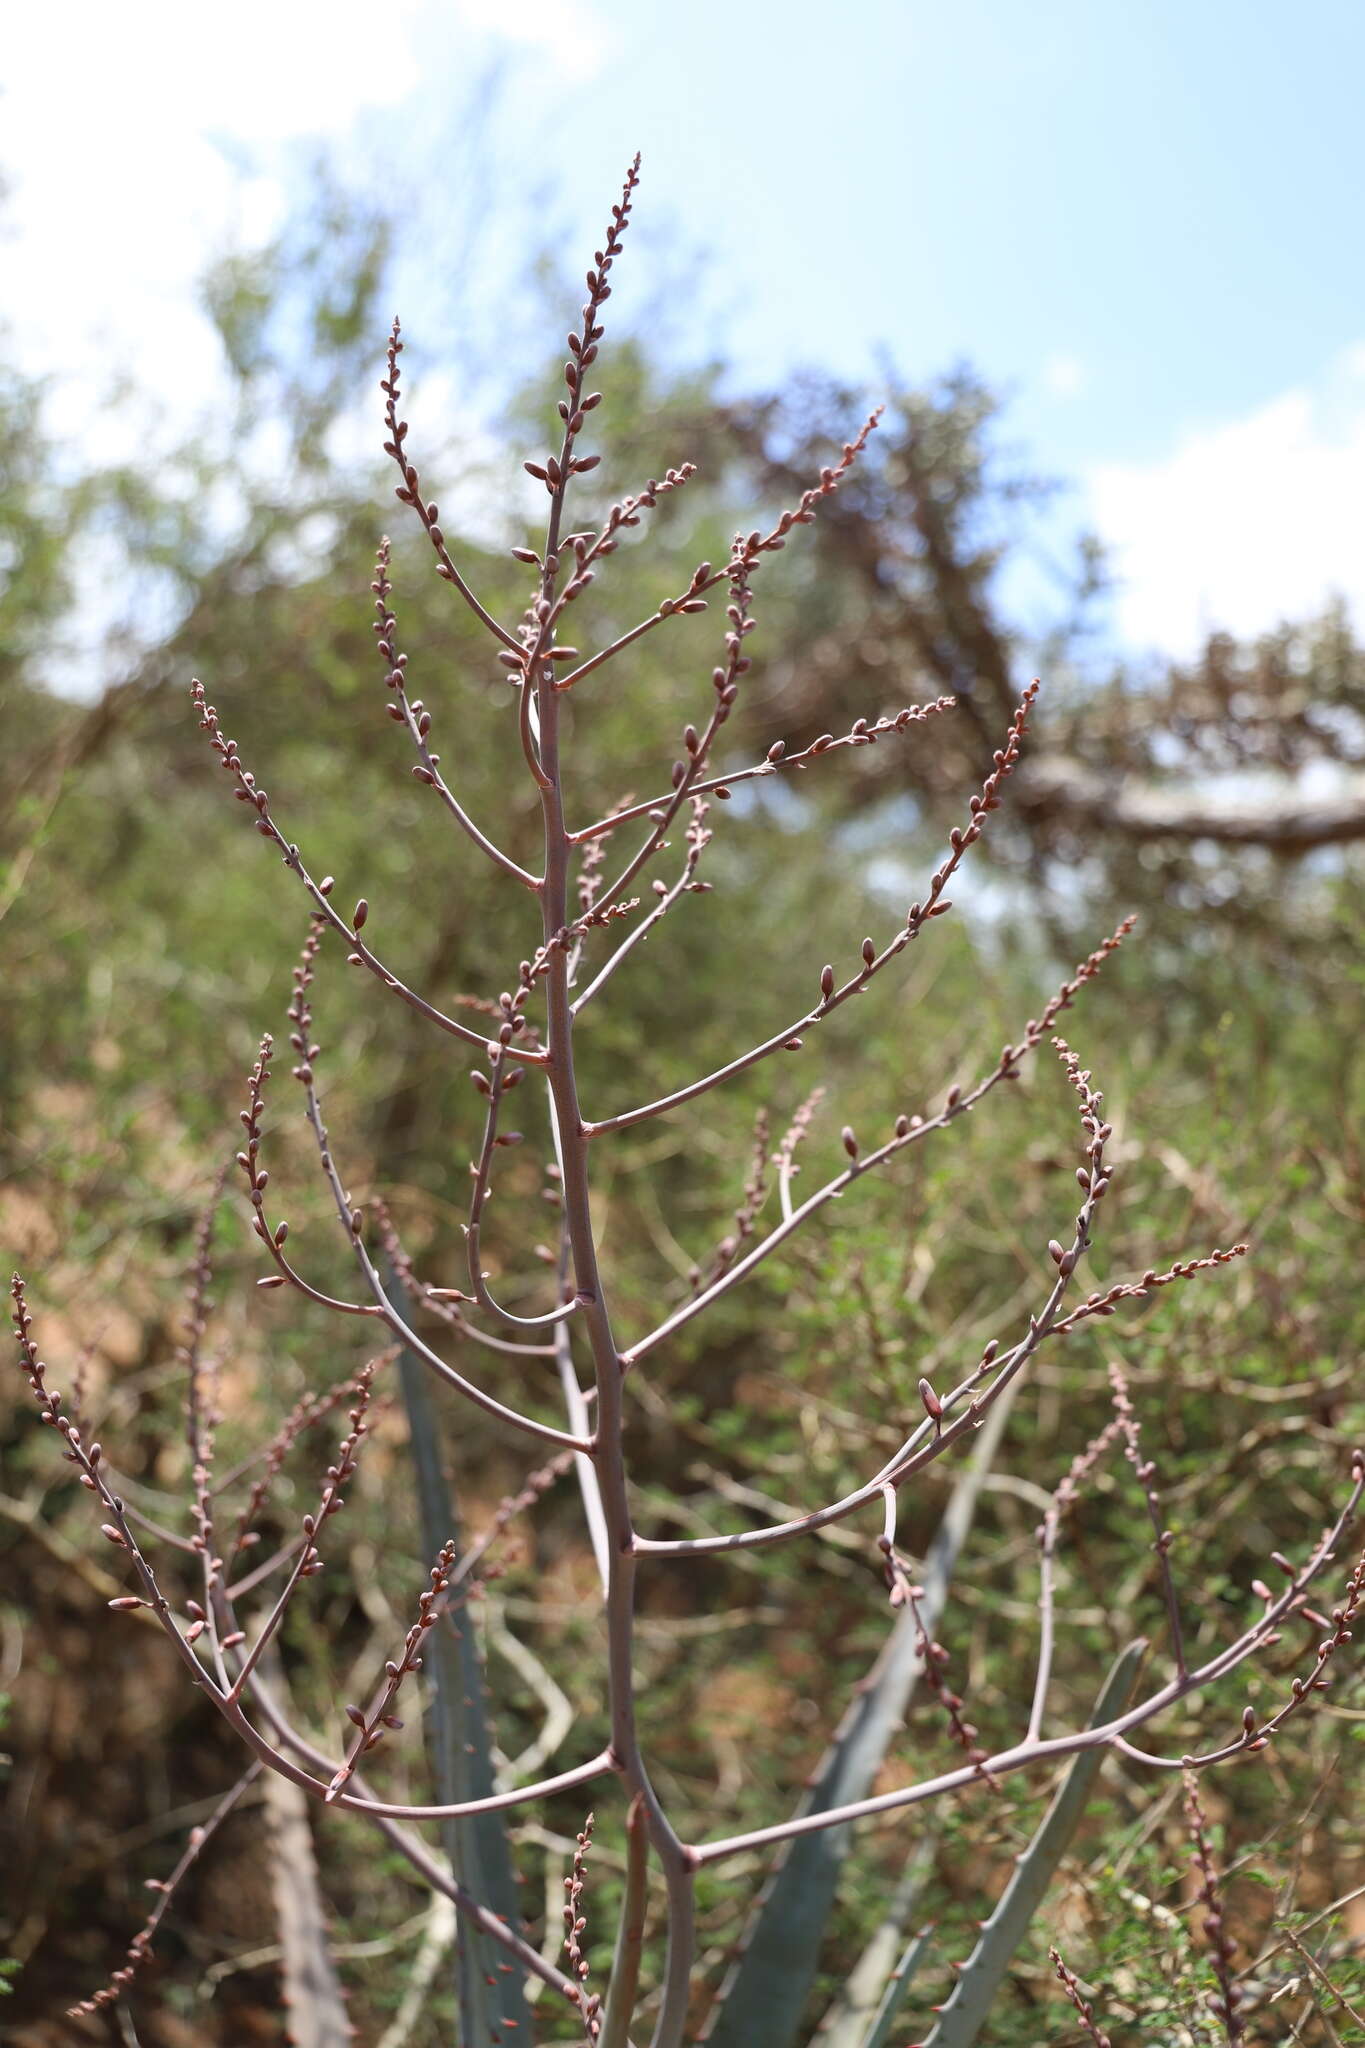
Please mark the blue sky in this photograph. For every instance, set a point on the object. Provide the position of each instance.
(1142, 221)
(1165, 196)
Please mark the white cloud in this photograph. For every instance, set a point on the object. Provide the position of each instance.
(1063, 376)
(568, 32)
(1244, 524)
(138, 141)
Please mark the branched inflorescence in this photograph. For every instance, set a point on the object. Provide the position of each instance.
(1085, 2011)
(575, 1922)
(1222, 1947)
(526, 1035)
(380, 1718)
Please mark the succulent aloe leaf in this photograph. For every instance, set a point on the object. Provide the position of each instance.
(761, 2002)
(858, 2004)
(962, 2018)
(490, 1988)
(897, 1985)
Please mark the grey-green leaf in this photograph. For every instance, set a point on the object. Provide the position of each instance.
(477, 1847)
(963, 2017)
(761, 2003)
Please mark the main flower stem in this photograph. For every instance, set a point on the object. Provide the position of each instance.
(609, 1454)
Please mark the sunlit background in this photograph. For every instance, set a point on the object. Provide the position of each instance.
(1139, 224)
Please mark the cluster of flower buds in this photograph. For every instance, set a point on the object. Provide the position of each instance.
(409, 491)
(1105, 1303)
(304, 1416)
(1337, 1631)
(934, 1660)
(246, 791)
(201, 1413)
(381, 1719)
(257, 1176)
(1092, 1179)
(555, 471)
(574, 1925)
(339, 1474)
(529, 972)
(1037, 1028)
(746, 1215)
(1085, 2011)
(1222, 1947)
(747, 552)
(985, 800)
(588, 548)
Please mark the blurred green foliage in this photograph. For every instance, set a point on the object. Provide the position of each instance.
(148, 938)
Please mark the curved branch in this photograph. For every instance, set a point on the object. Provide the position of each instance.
(909, 1130)
(411, 492)
(483, 1167)
(863, 733)
(1025, 1755)
(418, 723)
(351, 1222)
(319, 892)
(832, 997)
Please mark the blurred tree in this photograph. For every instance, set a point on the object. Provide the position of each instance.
(1200, 784)
(135, 908)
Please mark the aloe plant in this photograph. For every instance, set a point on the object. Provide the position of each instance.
(979, 1979)
(459, 1741)
(221, 1617)
(762, 2001)
(872, 1993)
